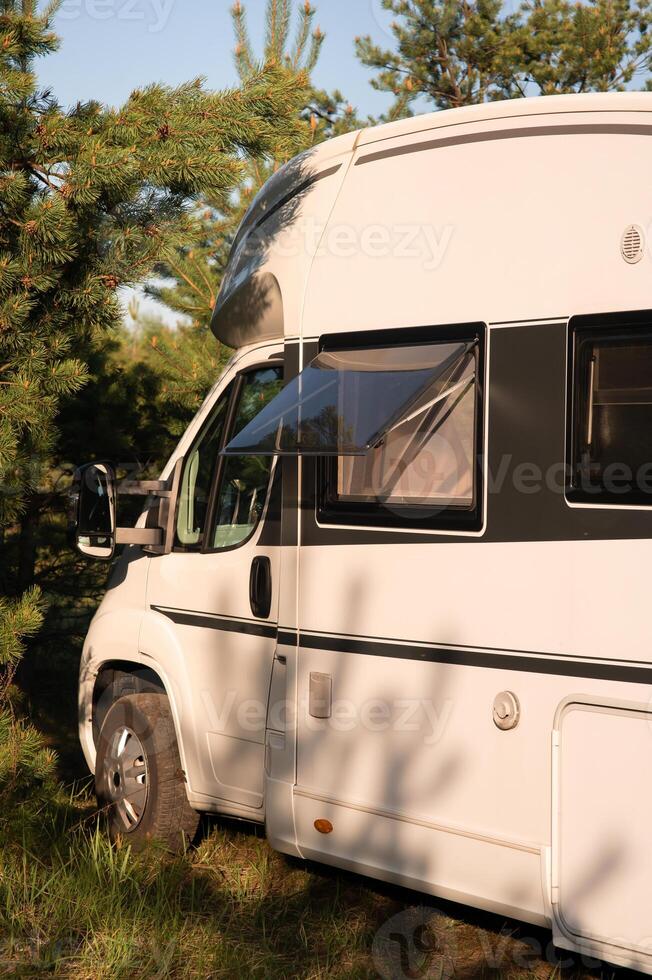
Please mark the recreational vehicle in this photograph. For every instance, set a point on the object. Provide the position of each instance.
(390, 595)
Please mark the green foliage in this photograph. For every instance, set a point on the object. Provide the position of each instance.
(454, 54)
(27, 770)
(187, 361)
(329, 114)
(91, 200)
(26, 766)
(190, 358)
(302, 55)
(18, 621)
(74, 907)
(600, 46)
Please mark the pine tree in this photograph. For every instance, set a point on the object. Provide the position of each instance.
(328, 114)
(26, 765)
(450, 54)
(301, 56)
(91, 200)
(191, 357)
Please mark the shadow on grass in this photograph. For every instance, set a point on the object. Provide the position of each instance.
(73, 906)
(481, 944)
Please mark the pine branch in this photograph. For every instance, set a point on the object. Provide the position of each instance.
(244, 58)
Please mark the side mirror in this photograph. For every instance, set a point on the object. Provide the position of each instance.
(93, 511)
(92, 506)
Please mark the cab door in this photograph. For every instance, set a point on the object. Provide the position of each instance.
(213, 601)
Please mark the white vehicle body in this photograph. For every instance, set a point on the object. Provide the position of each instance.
(425, 638)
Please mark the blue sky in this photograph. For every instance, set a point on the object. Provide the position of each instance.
(110, 47)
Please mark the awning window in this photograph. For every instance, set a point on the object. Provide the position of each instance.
(346, 401)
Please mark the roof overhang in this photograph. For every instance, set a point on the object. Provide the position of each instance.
(250, 314)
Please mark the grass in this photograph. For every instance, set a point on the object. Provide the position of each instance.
(72, 906)
(231, 908)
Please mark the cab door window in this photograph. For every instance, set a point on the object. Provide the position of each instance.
(198, 473)
(245, 479)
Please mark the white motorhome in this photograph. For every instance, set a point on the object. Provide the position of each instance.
(390, 595)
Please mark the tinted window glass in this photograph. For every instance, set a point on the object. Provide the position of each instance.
(429, 458)
(198, 471)
(245, 479)
(612, 425)
(425, 469)
(345, 401)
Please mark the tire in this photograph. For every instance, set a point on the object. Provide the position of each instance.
(138, 775)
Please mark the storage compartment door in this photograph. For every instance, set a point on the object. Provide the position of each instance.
(602, 860)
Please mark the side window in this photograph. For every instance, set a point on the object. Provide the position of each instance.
(419, 465)
(245, 479)
(426, 468)
(610, 446)
(199, 469)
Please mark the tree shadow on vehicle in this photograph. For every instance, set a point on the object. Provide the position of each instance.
(306, 909)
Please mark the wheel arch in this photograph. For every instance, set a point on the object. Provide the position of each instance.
(104, 682)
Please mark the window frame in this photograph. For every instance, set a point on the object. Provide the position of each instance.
(449, 518)
(634, 325)
(236, 385)
(228, 390)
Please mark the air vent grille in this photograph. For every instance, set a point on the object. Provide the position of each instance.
(632, 244)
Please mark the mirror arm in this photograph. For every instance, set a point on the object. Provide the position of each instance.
(167, 512)
(143, 488)
(165, 489)
(150, 536)
(156, 540)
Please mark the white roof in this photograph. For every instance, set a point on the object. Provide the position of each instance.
(510, 109)
(507, 110)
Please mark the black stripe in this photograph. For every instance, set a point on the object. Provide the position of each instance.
(290, 465)
(545, 664)
(594, 129)
(185, 617)
(288, 638)
(259, 220)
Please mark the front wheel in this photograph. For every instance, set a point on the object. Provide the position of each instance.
(138, 775)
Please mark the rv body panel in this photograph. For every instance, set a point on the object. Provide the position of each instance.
(443, 703)
(441, 229)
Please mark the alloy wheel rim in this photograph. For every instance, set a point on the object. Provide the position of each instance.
(127, 777)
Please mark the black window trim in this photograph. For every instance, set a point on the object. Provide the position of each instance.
(631, 323)
(236, 385)
(375, 515)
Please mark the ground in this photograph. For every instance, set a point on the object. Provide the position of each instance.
(73, 907)
(234, 908)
